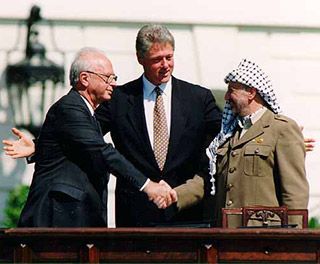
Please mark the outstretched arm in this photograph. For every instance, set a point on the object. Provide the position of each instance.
(20, 148)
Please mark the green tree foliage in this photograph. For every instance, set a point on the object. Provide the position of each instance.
(14, 204)
(314, 222)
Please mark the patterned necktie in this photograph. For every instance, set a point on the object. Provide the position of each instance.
(160, 130)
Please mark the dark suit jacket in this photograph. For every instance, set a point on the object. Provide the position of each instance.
(72, 161)
(195, 120)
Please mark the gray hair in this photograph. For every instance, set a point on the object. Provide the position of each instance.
(84, 61)
(150, 34)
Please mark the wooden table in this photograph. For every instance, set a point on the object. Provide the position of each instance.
(163, 245)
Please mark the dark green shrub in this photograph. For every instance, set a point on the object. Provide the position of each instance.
(14, 204)
(314, 222)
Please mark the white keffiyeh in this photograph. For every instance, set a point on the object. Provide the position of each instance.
(250, 74)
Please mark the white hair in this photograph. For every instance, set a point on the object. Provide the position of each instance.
(84, 61)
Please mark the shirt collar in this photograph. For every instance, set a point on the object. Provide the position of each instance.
(148, 87)
(247, 121)
(88, 105)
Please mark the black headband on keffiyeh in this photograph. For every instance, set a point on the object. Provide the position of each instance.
(250, 74)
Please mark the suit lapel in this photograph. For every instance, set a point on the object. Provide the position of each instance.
(137, 118)
(75, 94)
(178, 121)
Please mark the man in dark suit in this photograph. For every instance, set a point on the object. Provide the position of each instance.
(72, 159)
(192, 118)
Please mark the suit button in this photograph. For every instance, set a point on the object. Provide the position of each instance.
(232, 169)
(229, 186)
(229, 203)
(257, 151)
(234, 153)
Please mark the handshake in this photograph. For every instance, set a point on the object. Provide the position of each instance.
(161, 194)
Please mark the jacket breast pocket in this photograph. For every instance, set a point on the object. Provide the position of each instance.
(256, 159)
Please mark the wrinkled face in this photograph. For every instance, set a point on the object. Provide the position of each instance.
(100, 84)
(239, 98)
(158, 63)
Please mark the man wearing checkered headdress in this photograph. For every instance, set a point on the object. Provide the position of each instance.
(258, 156)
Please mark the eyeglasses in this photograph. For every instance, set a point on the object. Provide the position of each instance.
(110, 78)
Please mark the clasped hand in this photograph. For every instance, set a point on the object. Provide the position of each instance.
(161, 194)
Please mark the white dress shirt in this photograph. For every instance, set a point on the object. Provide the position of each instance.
(149, 98)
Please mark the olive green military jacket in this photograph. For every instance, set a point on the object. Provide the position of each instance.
(266, 166)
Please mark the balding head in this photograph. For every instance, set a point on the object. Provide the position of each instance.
(87, 59)
(92, 75)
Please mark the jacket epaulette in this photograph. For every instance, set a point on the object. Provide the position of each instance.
(281, 118)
